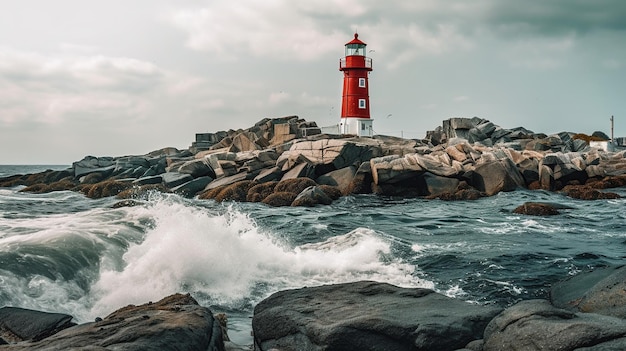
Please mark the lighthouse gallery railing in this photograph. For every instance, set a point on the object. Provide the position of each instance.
(368, 63)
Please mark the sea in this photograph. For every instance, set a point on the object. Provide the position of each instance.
(63, 252)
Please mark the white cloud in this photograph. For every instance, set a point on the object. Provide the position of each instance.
(257, 29)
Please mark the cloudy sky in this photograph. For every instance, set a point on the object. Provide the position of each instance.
(113, 78)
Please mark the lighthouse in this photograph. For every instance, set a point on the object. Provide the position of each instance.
(355, 104)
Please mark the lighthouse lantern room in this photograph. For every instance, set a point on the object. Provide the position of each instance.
(355, 105)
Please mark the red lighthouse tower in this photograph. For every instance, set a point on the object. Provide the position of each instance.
(355, 104)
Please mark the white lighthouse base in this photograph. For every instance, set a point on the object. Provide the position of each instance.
(357, 126)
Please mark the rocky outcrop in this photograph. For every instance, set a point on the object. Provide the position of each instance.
(366, 316)
(537, 325)
(176, 322)
(600, 291)
(466, 158)
(536, 209)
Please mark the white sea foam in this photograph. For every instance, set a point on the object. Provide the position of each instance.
(227, 257)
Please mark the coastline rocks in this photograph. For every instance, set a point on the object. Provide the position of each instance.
(475, 152)
(176, 322)
(600, 291)
(366, 315)
(537, 325)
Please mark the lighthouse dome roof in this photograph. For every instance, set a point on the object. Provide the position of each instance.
(355, 40)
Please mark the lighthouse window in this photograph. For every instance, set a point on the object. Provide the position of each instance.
(361, 103)
(361, 82)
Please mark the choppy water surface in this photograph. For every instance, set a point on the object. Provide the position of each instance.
(66, 253)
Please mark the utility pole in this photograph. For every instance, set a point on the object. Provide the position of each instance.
(612, 124)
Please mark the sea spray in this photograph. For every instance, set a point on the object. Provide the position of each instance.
(225, 258)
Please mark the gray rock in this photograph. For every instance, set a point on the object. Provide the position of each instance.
(197, 168)
(312, 196)
(176, 322)
(393, 169)
(436, 185)
(299, 171)
(496, 176)
(243, 142)
(335, 152)
(537, 325)
(600, 291)
(366, 316)
(226, 180)
(173, 179)
(269, 174)
(191, 188)
(148, 180)
(341, 178)
(20, 324)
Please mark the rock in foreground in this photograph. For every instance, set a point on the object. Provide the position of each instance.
(176, 322)
(366, 316)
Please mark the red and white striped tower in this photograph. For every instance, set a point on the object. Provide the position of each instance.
(355, 104)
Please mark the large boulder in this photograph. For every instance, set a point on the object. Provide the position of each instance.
(496, 176)
(436, 185)
(329, 154)
(536, 209)
(19, 324)
(176, 322)
(311, 196)
(537, 325)
(365, 316)
(174, 179)
(600, 291)
(394, 169)
(341, 178)
(192, 187)
(197, 168)
(91, 164)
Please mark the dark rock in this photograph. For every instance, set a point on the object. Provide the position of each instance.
(536, 209)
(197, 168)
(600, 291)
(295, 186)
(312, 196)
(142, 192)
(366, 316)
(537, 325)
(281, 198)
(600, 135)
(176, 322)
(586, 192)
(157, 179)
(362, 181)
(19, 324)
(105, 189)
(226, 181)
(91, 164)
(496, 176)
(191, 188)
(331, 191)
(126, 203)
(259, 192)
(436, 185)
(174, 179)
(47, 188)
(269, 174)
(235, 192)
(341, 178)
(301, 170)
